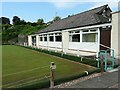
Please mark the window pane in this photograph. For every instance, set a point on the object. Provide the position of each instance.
(34, 39)
(45, 38)
(85, 30)
(41, 39)
(89, 37)
(76, 38)
(51, 38)
(58, 38)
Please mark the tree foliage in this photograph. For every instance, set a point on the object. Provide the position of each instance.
(40, 21)
(56, 18)
(16, 20)
(4, 20)
(10, 32)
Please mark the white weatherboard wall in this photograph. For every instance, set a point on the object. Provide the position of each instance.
(42, 43)
(65, 41)
(29, 41)
(37, 40)
(84, 46)
(115, 33)
(55, 44)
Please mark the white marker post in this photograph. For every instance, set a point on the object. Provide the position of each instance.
(52, 67)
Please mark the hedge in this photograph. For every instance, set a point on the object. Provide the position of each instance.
(87, 61)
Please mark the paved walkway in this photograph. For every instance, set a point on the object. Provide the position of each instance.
(107, 80)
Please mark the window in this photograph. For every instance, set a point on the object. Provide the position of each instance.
(75, 38)
(92, 30)
(45, 38)
(90, 37)
(85, 30)
(77, 31)
(34, 39)
(51, 38)
(41, 39)
(58, 38)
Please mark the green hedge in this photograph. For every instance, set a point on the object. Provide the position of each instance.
(87, 61)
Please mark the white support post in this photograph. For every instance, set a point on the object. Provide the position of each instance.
(55, 49)
(65, 41)
(29, 40)
(78, 53)
(37, 41)
(80, 36)
(48, 42)
(54, 37)
(98, 41)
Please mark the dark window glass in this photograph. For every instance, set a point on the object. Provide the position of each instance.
(51, 38)
(58, 38)
(41, 39)
(76, 38)
(45, 38)
(34, 39)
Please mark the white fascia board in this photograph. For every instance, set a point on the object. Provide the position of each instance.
(33, 35)
(88, 27)
(54, 32)
(50, 32)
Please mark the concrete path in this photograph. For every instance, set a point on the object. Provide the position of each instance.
(107, 80)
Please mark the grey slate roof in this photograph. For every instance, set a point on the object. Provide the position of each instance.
(90, 17)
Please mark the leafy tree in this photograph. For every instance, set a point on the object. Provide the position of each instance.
(5, 26)
(40, 21)
(10, 32)
(56, 18)
(16, 20)
(4, 20)
(69, 15)
(23, 22)
(34, 24)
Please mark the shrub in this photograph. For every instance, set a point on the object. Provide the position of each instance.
(87, 61)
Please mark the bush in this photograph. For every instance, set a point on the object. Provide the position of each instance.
(87, 61)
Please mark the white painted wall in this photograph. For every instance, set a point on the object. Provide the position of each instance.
(37, 41)
(55, 44)
(29, 41)
(115, 34)
(41, 43)
(86, 46)
(65, 41)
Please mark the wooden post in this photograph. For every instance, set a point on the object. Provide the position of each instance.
(51, 78)
(101, 64)
(52, 67)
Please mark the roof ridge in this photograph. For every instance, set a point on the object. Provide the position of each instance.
(84, 12)
(88, 17)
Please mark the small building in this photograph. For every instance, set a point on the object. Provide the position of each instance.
(83, 34)
(115, 34)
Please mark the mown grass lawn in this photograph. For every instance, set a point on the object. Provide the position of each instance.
(22, 66)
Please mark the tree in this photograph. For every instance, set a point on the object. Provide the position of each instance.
(56, 18)
(69, 15)
(23, 22)
(4, 20)
(16, 20)
(40, 21)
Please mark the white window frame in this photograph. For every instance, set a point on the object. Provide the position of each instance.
(74, 33)
(90, 31)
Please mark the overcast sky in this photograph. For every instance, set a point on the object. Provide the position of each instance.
(31, 11)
